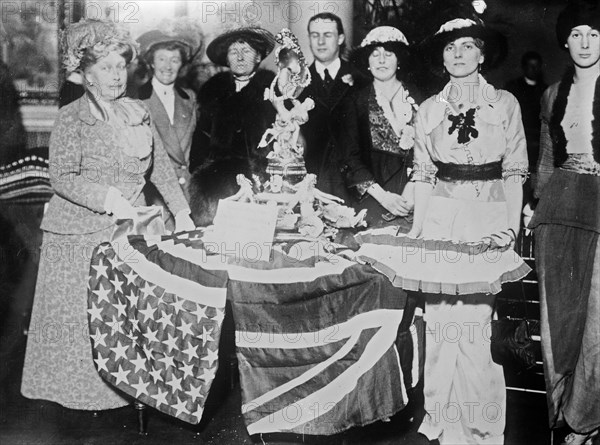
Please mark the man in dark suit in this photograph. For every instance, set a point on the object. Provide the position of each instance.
(332, 79)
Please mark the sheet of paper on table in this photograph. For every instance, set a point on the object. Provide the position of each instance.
(242, 229)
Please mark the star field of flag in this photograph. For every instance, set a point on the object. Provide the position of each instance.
(155, 323)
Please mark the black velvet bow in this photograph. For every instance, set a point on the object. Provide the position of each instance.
(465, 125)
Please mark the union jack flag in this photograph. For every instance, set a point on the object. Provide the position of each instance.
(317, 344)
(155, 322)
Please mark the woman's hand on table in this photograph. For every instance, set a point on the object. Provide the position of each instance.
(396, 204)
(392, 202)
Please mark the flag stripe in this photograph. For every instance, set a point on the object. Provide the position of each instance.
(292, 357)
(182, 287)
(176, 260)
(193, 254)
(333, 333)
(328, 300)
(289, 275)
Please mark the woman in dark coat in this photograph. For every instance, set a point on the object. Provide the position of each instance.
(377, 133)
(566, 226)
(233, 112)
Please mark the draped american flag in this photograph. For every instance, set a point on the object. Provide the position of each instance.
(155, 322)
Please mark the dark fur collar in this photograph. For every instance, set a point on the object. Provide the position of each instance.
(558, 113)
(221, 86)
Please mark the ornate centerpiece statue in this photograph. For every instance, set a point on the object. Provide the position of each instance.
(289, 185)
(286, 163)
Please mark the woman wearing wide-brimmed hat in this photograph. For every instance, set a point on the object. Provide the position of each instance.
(566, 225)
(469, 166)
(101, 148)
(377, 129)
(172, 107)
(233, 112)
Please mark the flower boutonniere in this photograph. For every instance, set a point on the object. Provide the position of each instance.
(407, 139)
(348, 79)
(412, 102)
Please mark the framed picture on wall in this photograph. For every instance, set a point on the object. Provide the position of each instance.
(29, 31)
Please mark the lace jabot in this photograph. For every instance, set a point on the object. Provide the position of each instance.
(133, 123)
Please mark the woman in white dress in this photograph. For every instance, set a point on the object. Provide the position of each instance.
(470, 162)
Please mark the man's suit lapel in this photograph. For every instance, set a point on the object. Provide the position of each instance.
(339, 87)
(319, 93)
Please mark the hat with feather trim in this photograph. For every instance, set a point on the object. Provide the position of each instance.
(576, 13)
(258, 38)
(453, 19)
(88, 34)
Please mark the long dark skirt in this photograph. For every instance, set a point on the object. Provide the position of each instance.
(568, 265)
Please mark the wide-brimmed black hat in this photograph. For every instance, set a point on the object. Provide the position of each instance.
(577, 12)
(456, 19)
(258, 38)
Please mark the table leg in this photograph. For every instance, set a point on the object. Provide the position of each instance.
(141, 409)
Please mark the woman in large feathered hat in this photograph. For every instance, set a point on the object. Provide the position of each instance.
(566, 225)
(470, 161)
(102, 149)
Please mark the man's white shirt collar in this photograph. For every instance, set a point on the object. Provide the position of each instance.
(333, 68)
